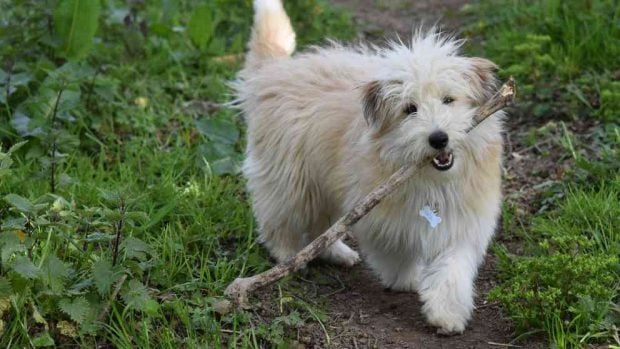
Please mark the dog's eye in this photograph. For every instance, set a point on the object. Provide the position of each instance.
(447, 100)
(411, 109)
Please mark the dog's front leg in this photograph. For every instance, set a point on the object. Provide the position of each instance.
(445, 287)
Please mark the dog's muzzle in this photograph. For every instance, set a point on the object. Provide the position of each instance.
(443, 161)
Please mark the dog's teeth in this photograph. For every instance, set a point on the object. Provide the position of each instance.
(442, 164)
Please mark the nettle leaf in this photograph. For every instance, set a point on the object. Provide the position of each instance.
(20, 79)
(201, 26)
(15, 147)
(6, 161)
(10, 243)
(99, 237)
(20, 203)
(25, 268)
(112, 215)
(212, 151)
(3, 95)
(137, 297)
(217, 46)
(104, 276)
(77, 309)
(225, 166)
(9, 238)
(5, 287)
(293, 319)
(76, 23)
(221, 158)
(70, 72)
(137, 216)
(9, 83)
(136, 248)
(57, 94)
(110, 197)
(218, 129)
(80, 287)
(55, 273)
(25, 125)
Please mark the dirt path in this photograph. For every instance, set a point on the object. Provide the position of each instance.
(364, 315)
(380, 19)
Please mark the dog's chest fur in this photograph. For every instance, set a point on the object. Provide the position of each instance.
(466, 206)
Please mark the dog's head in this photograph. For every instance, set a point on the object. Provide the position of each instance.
(423, 99)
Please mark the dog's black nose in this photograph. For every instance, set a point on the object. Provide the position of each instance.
(438, 139)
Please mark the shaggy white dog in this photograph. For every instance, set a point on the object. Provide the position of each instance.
(327, 126)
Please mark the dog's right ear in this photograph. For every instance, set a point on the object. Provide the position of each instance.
(482, 77)
(374, 103)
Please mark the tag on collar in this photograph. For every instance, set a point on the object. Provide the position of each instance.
(433, 219)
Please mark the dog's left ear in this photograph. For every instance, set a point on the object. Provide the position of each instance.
(482, 77)
(374, 104)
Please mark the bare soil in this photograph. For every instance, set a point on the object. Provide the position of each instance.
(364, 315)
(360, 313)
(380, 19)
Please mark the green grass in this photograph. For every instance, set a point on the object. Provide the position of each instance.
(565, 284)
(123, 144)
(561, 52)
(572, 37)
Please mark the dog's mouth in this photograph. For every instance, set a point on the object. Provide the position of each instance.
(443, 161)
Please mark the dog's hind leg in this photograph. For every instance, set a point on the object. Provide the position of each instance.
(340, 254)
(279, 212)
(290, 214)
(282, 243)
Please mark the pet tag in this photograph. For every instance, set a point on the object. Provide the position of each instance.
(430, 215)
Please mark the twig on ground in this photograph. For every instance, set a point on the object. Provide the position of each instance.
(508, 345)
(490, 304)
(238, 291)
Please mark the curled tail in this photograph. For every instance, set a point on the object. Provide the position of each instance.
(272, 33)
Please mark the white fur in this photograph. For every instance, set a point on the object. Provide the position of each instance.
(313, 153)
(272, 35)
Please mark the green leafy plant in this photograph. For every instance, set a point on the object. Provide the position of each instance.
(567, 283)
(202, 25)
(76, 23)
(554, 52)
(6, 160)
(122, 216)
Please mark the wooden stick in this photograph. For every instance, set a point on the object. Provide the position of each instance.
(237, 292)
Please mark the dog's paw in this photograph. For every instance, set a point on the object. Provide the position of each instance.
(445, 332)
(447, 325)
(341, 254)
